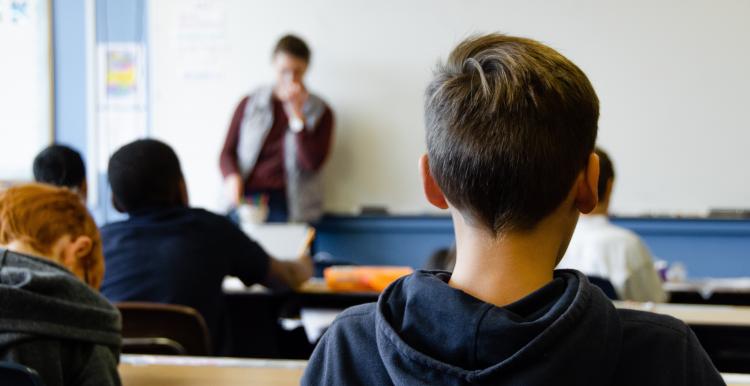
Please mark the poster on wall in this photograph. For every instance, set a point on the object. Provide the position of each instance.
(121, 106)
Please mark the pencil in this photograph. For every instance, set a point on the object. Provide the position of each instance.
(308, 242)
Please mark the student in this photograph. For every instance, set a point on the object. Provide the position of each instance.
(600, 248)
(52, 319)
(511, 126)
(60, 165)
(167, 252)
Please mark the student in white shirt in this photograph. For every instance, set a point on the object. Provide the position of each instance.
(600, 248)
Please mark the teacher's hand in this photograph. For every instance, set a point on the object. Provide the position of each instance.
(235, 189)
(294, 95)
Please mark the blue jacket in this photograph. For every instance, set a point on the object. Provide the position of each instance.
(424, 332)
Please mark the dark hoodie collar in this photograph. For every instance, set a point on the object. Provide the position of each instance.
(422, 322)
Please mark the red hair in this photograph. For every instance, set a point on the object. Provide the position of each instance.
(39, 215)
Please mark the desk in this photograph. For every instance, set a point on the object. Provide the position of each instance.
(732, 291)
(152, 370)
(148, 370)
(736, 379)
(696, 315)
(253, 316)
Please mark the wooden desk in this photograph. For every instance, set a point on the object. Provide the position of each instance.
(151, 370)
(697, 315)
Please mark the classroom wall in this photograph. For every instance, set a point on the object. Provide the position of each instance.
(671, 76)
(673, 123)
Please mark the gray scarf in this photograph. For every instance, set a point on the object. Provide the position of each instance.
(304, 188)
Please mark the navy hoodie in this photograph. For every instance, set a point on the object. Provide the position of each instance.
(424, 332)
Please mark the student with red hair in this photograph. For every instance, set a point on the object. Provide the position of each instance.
(51, 265)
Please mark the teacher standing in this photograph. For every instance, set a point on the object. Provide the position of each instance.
(278, 140)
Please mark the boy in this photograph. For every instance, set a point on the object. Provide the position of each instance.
(511, 126)
(52, 318)
(62, 166)
(167, 252)
(600, 248)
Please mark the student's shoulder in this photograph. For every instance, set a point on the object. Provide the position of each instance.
(659, 349)
(359, 314)
(217, 221)
(206, 214)
(115, 225)
(355, 320)
(652, 326)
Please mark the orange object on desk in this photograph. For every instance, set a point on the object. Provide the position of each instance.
(362, 278)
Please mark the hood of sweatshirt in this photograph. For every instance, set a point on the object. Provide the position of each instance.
(39, 298)
(429, 332)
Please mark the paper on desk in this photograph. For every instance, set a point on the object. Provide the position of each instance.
(316, 321)
(232, 284)
(282, 241)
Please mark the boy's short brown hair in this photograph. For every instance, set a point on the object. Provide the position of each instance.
(510, 123)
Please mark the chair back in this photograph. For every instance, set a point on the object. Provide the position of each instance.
(163, 329)
(18, 375)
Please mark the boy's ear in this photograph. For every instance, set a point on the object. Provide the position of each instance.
(432, 191)
(81, 246)
(587, 195)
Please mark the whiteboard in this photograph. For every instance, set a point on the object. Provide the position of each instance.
(25, 85)
(672, 77)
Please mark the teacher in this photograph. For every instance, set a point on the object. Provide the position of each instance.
(278, 140)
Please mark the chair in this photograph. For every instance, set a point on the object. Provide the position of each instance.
(18, 375)
(605, 285)
(163, 329)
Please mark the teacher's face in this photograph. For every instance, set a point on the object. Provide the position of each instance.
(289, 68)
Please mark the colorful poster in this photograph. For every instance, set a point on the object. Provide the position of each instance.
(121, 76)
(122, 80)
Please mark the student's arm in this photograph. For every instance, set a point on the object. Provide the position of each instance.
(252, 264)
(313, 145)
(289, 274)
